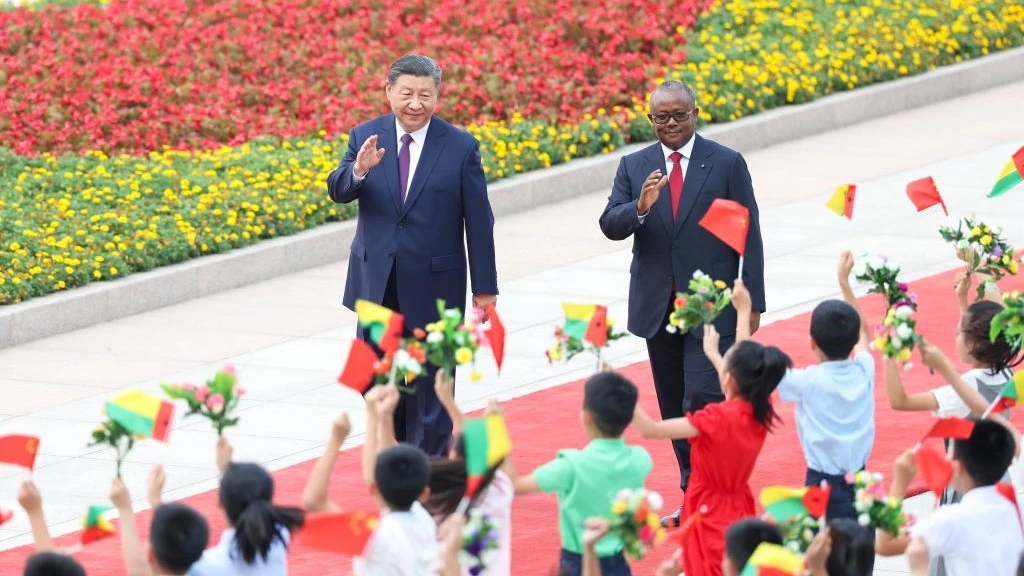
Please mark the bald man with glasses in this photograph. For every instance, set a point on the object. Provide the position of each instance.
(659, 195)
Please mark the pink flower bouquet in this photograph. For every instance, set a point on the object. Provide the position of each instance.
(216, 400)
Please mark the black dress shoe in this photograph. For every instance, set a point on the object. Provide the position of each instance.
(672, 520)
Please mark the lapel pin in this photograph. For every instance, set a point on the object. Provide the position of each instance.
(702, 166)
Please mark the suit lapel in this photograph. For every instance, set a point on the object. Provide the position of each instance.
(662, 210)
(389, 142)
(696, 174)
(432, 148)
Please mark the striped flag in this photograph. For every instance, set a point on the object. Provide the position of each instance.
(841, 201)
(773, 560)
(487, 444)
(96, 524)
(783, 503)
(142, 414)
(1012, 394)
(586, 322)
(1012, 175)
(384, 324)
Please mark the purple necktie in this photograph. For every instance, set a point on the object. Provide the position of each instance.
(403, 164)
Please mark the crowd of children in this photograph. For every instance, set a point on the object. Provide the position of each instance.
(977, 530)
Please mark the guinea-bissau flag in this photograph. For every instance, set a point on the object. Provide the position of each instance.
(1011, 176)
(142, 414)
(486, 444)
(586, 322)
(384, 324)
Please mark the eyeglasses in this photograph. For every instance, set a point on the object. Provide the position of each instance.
(664, 117)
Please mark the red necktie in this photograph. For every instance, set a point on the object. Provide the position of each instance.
(675, 182)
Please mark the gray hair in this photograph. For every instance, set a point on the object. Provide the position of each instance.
(674, 86)
(414, 65)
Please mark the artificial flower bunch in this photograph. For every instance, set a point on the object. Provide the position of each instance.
(113, 434)
(407, 363)
(636, 522)
(873, 507)
(450, 342)
(880, 274)
(897, 335)
(479, 542)
(216, 400)
(798, 532)
(701, 305)
(1010, 321)
(983, 249)
(565, 347)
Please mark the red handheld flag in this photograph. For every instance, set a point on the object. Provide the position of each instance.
(340, 532)
(597, 330)
(496, 335)
(924, 194)
(957, 428)
(816, 500)
(935, 469)
(19, 450)
(359, 368)
(728, 221)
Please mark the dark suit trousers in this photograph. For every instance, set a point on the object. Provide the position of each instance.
(420, 419)
(684, 380)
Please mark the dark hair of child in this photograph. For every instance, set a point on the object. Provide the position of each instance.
(610, 398)
(401, 474)
(853, 549)
(995, 356)
(178, 535)
(743, 537)
(987, 453)
(835, 328)
(52, 564)
(246, 493)
(448, 482)
(758, 369)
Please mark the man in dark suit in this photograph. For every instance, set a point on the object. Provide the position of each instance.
(421, 190)
(669, 246)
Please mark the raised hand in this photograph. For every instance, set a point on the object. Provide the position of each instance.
(594, 529)
(741, 296)
(367, 157)
(157, 479)
(650, 191)
(388, 401)
(29, 497)
(845, 267)
(224, 453)
(119, 495)
(341, 428)
(711, 340)
(932, 356)
(444, 387)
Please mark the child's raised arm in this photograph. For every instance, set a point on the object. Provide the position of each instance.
(32, 502)
(314, 496)
(134, 559)
(845, 268)
(673, 428)
(444, 387)
(742, 303)
(711, 345)
(898, 397)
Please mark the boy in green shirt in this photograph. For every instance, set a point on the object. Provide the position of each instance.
(587, 480)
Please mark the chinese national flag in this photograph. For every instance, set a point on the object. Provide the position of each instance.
(729, 221)
(597, 330)
(924, 194)
(496, 335)
(340, 532)
(359, 368)
(19, 450)
(957, 428)
(934, 468)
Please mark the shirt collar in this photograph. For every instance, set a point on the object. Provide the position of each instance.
(984, 494)
(418, 136)
(686, 150)
(606, 443)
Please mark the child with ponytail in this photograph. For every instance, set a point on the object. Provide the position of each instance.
(726, 438)
(257, 541)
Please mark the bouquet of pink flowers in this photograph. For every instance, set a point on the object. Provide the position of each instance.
(635, 521)
(897, 335)
(873, 507)
(216, 400)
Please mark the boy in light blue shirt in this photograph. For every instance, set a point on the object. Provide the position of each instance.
(835, 400)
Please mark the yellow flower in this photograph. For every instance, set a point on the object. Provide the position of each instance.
(986, 240)
(618, 507)
(904, 355)
(880, 342)
(893, 503)
(653, 521)
(554, 353)
(719, 284)
(463, 355)
(975, 231)
(475, 376)
(609, 322)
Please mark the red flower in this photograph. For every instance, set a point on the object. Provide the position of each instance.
(680, 302)
(419, 333)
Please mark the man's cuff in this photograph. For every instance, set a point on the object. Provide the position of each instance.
(642, 217)
(356, 179)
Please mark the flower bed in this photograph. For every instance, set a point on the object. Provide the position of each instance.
(71, 219)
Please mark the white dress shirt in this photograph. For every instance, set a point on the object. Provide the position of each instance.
(981, 535)
(684, 163)
(419, 137)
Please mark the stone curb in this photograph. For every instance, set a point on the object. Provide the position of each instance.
(106, 301)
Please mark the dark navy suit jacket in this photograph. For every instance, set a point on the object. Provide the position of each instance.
(425, 238)
(665, 251)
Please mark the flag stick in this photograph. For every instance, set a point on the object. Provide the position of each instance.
(463, 506)
(599, 349)
(740, 273)
(394, 371)
(991, 407)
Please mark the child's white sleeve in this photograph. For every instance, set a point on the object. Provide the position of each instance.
(938, 531)
(950, 403)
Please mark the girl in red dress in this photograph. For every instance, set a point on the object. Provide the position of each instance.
(725, 439)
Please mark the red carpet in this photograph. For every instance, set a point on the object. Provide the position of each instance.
(534, 418)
